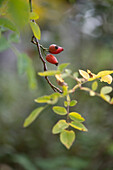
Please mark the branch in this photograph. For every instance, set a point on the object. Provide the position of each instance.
(56, 89)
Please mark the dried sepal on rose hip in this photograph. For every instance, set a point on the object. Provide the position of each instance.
(55, 49)
(52, 59)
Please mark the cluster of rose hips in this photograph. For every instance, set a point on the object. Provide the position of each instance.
(53, 49)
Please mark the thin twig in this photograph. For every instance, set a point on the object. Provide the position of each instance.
(36, 42)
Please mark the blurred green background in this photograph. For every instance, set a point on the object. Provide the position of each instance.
(84, 28)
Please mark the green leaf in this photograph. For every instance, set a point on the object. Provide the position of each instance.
(36, 30)
(24, 161)
(62, 66)
(73, 103)
(106, 90)
(34, 16)
(60, 110)
(78, 125)
(19, 12)
(51, 99)
(60, 126)
(94, 85)
(34, 114)
(49, 73)
(4, 44)
(76, 117)
(67, 138)
(7, 24)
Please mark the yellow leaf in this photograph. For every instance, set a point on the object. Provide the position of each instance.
(101, 74)
(107, 78)
(105, 97)
(84, 74)
(104, 73)
(33, 16)
(76, 116)
(78, 125)
(111, 102)
(94, 85)
(36, 30)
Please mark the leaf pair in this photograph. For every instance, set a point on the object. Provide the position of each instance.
(103, 75)
(67, 137)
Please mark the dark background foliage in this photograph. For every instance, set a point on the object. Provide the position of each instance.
(85, 29)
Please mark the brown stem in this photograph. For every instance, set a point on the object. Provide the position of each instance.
(36, 42)
(68, 103)
(56, 89)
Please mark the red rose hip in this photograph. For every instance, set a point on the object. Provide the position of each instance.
(52, 59)
(55, 49)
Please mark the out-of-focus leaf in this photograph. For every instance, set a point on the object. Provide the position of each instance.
(49, 73)
(94, 85)
(84, 74)
(67, 138)
(34, 16)
(64, 75)
(36, 30)
(1, 1)
(107, 78)
(19, 11)
(60, 110)
(31, 77)
(106, 90)
(24, 161)
(65, 103)
(76, 117)
(92, 93)
(14, 37)
(78, 125)
(4, 44)
(68, 71)
(62, 66)
(51, 99)
(75, 75)
(25, 65)
(7, 24)
(73, 103)
(34, 114)
(59, 126)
